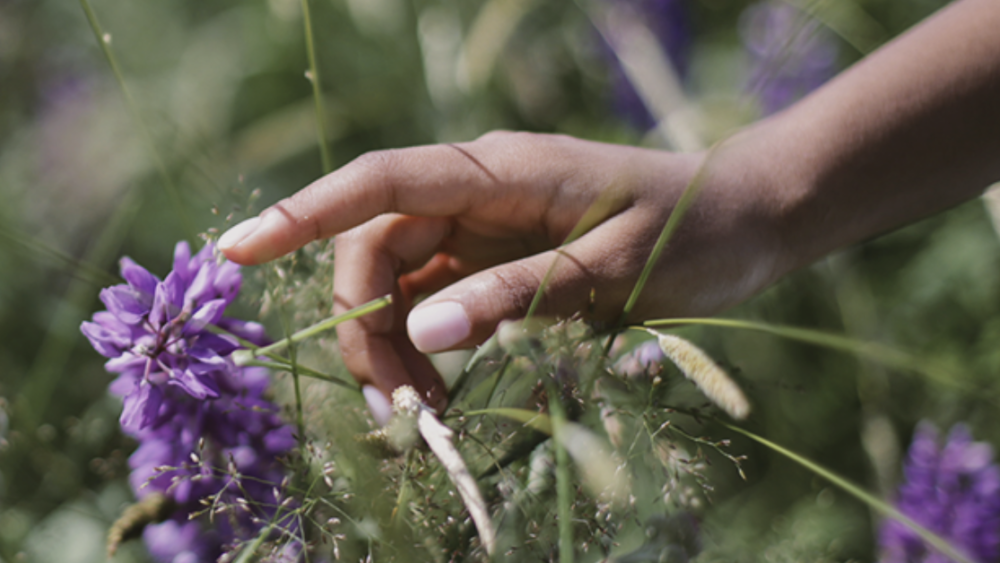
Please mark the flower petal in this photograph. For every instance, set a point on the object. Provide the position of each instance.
(207, 314)
(139, 279)
(207, 343)
(168, 301)
(125, 303)
(247, 330)
(182, 261)
(198, 386)
(141, 407)
(109, 341)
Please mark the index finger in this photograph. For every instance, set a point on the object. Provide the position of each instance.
(431, 181)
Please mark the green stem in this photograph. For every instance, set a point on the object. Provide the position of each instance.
(80, 270)
(317, 90)
(48, 367)
(104, 40)
(285, 365)
(871, 500)
(870, 350)
(564, 482)
(673, 221)
(299, 413)
(325, 325)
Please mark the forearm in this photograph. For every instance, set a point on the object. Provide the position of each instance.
(911, 130)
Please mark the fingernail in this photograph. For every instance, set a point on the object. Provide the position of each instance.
(438, 327)
(235, 235)
(379, 406)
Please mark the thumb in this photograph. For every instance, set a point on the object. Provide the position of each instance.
(584, 279)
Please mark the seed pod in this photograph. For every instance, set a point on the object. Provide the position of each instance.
(150, 510)
(706, 375)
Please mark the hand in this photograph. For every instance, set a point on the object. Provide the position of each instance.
(475, 224)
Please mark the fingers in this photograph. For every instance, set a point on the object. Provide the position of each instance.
(369, 259)
(430, 181)
(591, 276)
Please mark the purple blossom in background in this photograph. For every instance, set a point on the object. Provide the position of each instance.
(953, 491)
(669, 21)
(790, 54)
(640, 359)
(203, 426)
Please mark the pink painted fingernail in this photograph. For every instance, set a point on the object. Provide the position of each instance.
(235, 235)
(438, 326)
(379, 406)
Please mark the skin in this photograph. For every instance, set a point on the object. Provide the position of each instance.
(909, 131)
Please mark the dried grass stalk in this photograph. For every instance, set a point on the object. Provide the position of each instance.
(706, 375)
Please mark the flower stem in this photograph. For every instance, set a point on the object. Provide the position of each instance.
(104, 40)
(324, 145)
(877, 504)
(564, 483)
(325, 325)
(673, 221)
(283, 364)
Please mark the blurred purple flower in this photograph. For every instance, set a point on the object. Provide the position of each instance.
(953, 491)
(203, 426)
(790, 54)
(155, 332)
(668, 20)
(640, 359)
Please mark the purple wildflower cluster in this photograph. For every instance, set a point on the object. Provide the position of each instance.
(953, 491)
(790, 53)
(204, 428)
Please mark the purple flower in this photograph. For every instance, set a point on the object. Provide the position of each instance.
(154, 332)
(204, 428)
(790, 54)
(669, 22)
(953, 491)
(179, 541)
(641, 359)
(226, 449)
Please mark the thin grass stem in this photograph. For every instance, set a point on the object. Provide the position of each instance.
(607, 204)
(323, 326)
(104, 40)
(870, 350)
(317, 90)
(877, 504)
(50, 362)
(285, 365)
(81, 270)
(673, 221)
(564, 483)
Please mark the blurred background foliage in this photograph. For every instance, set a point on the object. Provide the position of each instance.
(223, 100)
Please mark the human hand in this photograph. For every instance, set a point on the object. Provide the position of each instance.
(474, 226)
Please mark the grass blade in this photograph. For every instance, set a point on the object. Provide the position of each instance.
(673, 221)
(535, 420)
(564, 483)
(83, 271)
(608, 203)
(324, 325)
(877, 504)
(317, 90)
(869, 350)
(104, 40)
(286, 365)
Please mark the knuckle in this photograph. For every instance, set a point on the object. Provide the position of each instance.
(495, 135)
(379, 168)
(376, 162)
(515, 284)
